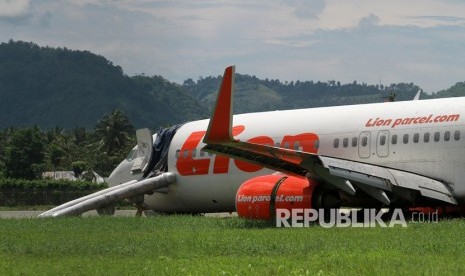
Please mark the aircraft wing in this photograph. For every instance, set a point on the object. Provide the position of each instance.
(342, 174)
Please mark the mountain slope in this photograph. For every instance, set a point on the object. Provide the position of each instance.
(253, 94)
(59, 87)
(52, 87)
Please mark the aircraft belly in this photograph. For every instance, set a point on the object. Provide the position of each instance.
(207, 193)
(211, 193)
(164, 202)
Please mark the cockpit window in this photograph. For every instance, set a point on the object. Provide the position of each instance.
(131, 155)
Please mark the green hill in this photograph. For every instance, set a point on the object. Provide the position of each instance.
(59, 87)
(253, 94)
(457, 90)
(52, 87)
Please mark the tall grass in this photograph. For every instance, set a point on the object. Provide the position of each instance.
(227, 246)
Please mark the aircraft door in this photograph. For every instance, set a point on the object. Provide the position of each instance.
(144, 150)
(382, 143)
(364, 144)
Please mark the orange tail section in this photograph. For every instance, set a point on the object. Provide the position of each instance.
(219, 128)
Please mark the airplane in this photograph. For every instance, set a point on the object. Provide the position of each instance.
(383, 155)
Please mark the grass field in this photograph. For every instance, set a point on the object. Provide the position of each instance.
(185, 245)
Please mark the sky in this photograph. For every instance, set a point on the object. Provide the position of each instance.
(376, 42)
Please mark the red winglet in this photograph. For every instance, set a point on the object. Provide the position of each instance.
(219, 128)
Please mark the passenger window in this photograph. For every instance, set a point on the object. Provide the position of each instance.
(194, 152)
(202, 153)
(457, 135)
(364, 141)
(345, 142)
(447, 136)
(394, 139)
(336, 143)
(354, 142)
(185, 153)
(277, 144)
(382, 140)
(286, 145)
(317, 144)
(426, 137)
(416, 138)
(177, 153)
(405, 139)
(296, 146)
(437, 136)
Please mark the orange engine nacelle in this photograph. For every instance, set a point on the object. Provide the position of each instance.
(259, 197)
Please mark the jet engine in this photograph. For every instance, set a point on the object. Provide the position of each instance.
(259, 197)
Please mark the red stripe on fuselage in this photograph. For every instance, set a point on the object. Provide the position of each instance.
(187, 164)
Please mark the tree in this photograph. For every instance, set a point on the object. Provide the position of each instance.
(189, 82)
(79, 167)
(115, 134)
(114, 131)
(79, 135)
(60, 151)
(55, 155)
(24, 155)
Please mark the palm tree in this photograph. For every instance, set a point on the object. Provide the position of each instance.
(114, 131)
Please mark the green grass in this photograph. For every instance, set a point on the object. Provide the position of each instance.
(121, 206)
(185, 245)
(27, 208)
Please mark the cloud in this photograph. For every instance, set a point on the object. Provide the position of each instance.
(308, 9)
(45, 19)
(369, 21)
(13, 8)
(368, 41)
(440, 20)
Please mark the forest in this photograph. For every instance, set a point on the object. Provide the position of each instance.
(27, 152)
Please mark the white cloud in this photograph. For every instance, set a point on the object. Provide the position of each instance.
(306, 8)
(421, 13)
(414, 41)
(13, 8)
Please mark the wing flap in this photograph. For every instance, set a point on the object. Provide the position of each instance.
(385, 178)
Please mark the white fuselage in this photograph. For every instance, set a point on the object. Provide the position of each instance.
(424, 137)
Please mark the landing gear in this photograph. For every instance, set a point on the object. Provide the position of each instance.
(326, 199)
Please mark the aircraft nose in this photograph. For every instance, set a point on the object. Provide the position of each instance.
(115, 176)
(121, 174)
